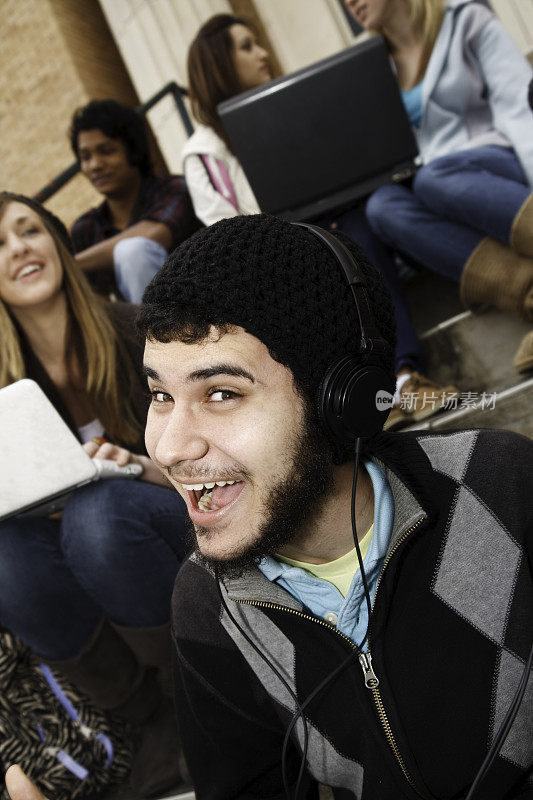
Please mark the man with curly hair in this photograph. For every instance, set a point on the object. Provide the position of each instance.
(143, 216)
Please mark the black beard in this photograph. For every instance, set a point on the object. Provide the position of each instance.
(289, 506)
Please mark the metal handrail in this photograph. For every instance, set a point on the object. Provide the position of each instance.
(172, 88)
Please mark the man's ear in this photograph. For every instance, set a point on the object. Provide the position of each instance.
(20, 787)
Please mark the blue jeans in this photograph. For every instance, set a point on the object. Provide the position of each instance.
(136, 260)
(453, 203)
(116, 550)
(409, 350)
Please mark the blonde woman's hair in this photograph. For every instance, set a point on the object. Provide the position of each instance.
(426, 18)
(91, 340)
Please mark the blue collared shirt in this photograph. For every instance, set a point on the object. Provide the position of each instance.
(320, 596)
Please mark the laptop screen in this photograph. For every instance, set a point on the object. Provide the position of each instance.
(320, 137)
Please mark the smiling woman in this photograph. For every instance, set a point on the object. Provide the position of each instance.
(89, 593)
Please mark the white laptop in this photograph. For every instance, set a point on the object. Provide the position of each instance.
(41, 461)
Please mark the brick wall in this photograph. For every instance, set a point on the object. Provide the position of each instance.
(57, 55)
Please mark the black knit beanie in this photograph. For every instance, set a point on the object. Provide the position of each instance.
(277, 281)
(53, 221)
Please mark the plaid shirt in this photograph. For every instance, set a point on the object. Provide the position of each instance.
(160, 199)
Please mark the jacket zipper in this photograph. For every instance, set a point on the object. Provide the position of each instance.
(371, 680)
(365, 659)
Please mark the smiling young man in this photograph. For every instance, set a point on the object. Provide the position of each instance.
(242, 324)
(270, 619)
(143, 216)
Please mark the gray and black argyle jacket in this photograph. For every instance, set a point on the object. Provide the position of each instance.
(450, 632)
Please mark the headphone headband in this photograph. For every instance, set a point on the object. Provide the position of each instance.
(371, 339)
(355, 396)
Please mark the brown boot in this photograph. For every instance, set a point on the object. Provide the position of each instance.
(495, 275)
(522, 230)
(523, 360)
(113, 677)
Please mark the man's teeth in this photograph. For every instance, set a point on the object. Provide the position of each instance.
(205, 502)
(197, 487)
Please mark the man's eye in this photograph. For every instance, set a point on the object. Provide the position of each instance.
(220, 395)
(160, 397)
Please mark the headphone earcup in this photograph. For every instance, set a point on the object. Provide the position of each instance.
(354, 399)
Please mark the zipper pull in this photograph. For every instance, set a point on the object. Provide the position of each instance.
(371, 679)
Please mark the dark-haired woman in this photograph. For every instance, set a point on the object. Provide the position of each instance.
(89, 593)
(225, 59)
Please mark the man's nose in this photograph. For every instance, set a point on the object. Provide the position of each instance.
(181, 440)
(94, 161)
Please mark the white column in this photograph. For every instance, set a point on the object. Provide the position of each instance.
(304, 31)
(517, 17)
(153, 37)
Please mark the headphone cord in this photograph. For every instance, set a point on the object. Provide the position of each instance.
(359, 647)
(300, 707)
(504, 728)
(285, 683)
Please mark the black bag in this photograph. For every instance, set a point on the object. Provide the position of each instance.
(66, 745)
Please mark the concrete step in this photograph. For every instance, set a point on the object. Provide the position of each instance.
(473, 352)
(476, 351)
(511, 408)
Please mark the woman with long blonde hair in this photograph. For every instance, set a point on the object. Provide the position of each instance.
(468, 212)
(90, 592)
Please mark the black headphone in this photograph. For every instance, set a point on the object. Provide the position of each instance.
(356, 394)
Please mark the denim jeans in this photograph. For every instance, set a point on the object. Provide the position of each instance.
(453, 203)
(116, 550)
(136, 260)
(409, 350)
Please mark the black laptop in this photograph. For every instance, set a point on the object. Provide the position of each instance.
(320, 138)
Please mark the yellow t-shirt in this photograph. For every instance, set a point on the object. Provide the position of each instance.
(339, 572)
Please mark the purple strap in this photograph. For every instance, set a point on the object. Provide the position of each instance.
(63, 757)
(73, 766)
(225, 188)
(73, 714)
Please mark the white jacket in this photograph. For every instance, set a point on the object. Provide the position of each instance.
(209, 204)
